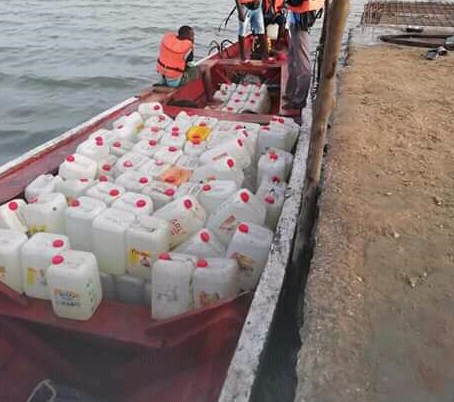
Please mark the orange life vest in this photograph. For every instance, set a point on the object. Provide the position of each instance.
(172, 55)
(307, 5)
(276, 5)
(247, 1)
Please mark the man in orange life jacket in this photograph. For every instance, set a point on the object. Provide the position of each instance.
(176, 53)
(300, 18)
(251, 11)
(274, 13)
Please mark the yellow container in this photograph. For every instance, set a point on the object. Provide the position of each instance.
(198, 133)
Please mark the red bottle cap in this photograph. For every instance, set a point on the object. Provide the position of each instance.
(155, 129)
(205, 237)
(127, 164)
(57, 259)
(141, 203)
(187, 204)
(106, 167)
(170, 179)
(99, 139)
(243, 228)
(173, 149)
(276, 179)
(175, 129)
(83, 180)
(266, 128)
(152, 143)
(169, 192)
(240, 142)
(103, 178)
(269, 199)
(161, 117)
(143, 180)
(175, 133)
(13, 206)
(70, 158)
(75, 203)
(202, 264)
(273, 157)
(244, 196)
(156, 107)
(206, 187)
(58, 243)
(238, 127)
(114, 192)
(164, 256)
(116, 144)
(202, 124)
(230, 163)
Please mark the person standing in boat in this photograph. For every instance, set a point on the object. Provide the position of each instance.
(274, 13)
(176, 54)
(250, 13)
(300, 18)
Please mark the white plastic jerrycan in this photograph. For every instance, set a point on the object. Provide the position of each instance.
(36, 257)
(11, 242)
(121, 147)
(152, 133)
(168, 154)
(224, 169)
(74, 188)
(290, 126)
(109, 239)
(154, 168)
(160, 120)
(126, 127)
(128, 162)
(46, 213)
(74, 285)
(133, 181)
(146, 238)
(202, 244)
(171, 287)
(273, 202)
(103, 135)
(77, 166)
(79, 220)
(160, 193)
(215, 192)
(95, 149)
(235, 148)
(271, 165)
(250, 246)
(11, 216)
(241, 206)
(106, 166)
(138, 204)
(174, 138)
(215, 279)
(146, 147)
(129, 289)
(44, 183)
(194, 148)
(149, 109)
(106, 192)
(108, 286)
(185, 215)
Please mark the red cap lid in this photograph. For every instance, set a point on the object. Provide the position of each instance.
(120, 126)
(143, 180)
(230, 108)
(243, 228)
(266, 128)
(141, 203)
(103, 178)
(57, 259)
(161, 117)
(170, 179)
(114, 192)
(83, 180)
(75, 203)
(257, 93)
(240, 142)
(273, 157)
(196, 137)
(269, 199)
(202, 264)
(230, 163)
(13, 205)
(100, 142)
(240, 92)
(276, 179)
(70, 158)
(155, 129)
(187, 204)
(237, 101)
(58, 243)
(156, 107)
(252, 101)
(116, 144)
(175, 128)
(280, 120)
(173, 149)
(205, 237)
(99, 139)
(159, 163)
(106, 167)
(202, 124)
(206, 187)
(244, 196)
(195, 141)
(239, 127)
(127, 164)
(152, 143)
(33, 200)
(170, 192)
(164, 256)
(175, 133)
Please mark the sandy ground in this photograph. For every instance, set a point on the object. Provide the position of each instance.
(379, 307)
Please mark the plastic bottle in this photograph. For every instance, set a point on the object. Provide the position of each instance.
(74, 188)
(106, 136)
(223, 169)
(273, 202)
(215, 279)
(151, 133)
(146, 238)
(214, 193)
(154, 168)
(133, 181)
(138, 204)
(146, 147)
(77, 166)
(289, 127)
(174, 138)
(45, 213)
(271, 165)
(194, 148)
(94, 149)
(11, 242)
(106, 166)
(36, 257)
(106, 192)
(129, 289)
(169, 154)
(250, 246)
(121, 147)
(206, 121)
(128, 162)
(241, 206)
(79, 220)
(171, 287)
(189, 188)
(108, 286)
(176, 175)
(109, 245)
(286, 156)
(127, 127)
(160, 193)
(74, 285)
(235, 148)
(202, 244)
(186, 217)
(44, 183)
(160, 120)
(149, 109)
(11, 216)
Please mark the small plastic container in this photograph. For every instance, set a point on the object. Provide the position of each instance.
(188, 162)
(235, 148)
(154, 168)
(11, 242)
(174, 138)
(194, 148)
(94, 149)
(215, 279)
(250, 246)
(241, 206)
(202, 244)
(169, 154)
(36, 257)
(149, 109)
(161, 193)
(106, 136)
(271, 165)
(43, 184)
(171, 287)
(74, 188)
(106, 166)
(127, 127)
(128, 162)
(186, 217)
(108, 286)
(109, 244)
(133, 181)
(146, 238)
(189, 188)
(121, 147)
(106, 192)
(74, 285)
(11, 216)
(224, 169)
(77, 166)
(206, 121)
(138, 204)
(214, 193)
(147, 148)
(129, 289)
(160, 120)
(273, 202)
(176, 175)
(152, 133)
(45, 213)
(79, 218)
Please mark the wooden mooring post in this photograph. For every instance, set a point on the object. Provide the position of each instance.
(323, 107)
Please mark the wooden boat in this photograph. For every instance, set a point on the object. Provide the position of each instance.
(121, 354)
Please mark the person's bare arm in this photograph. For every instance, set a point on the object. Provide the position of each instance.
(240, 10)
